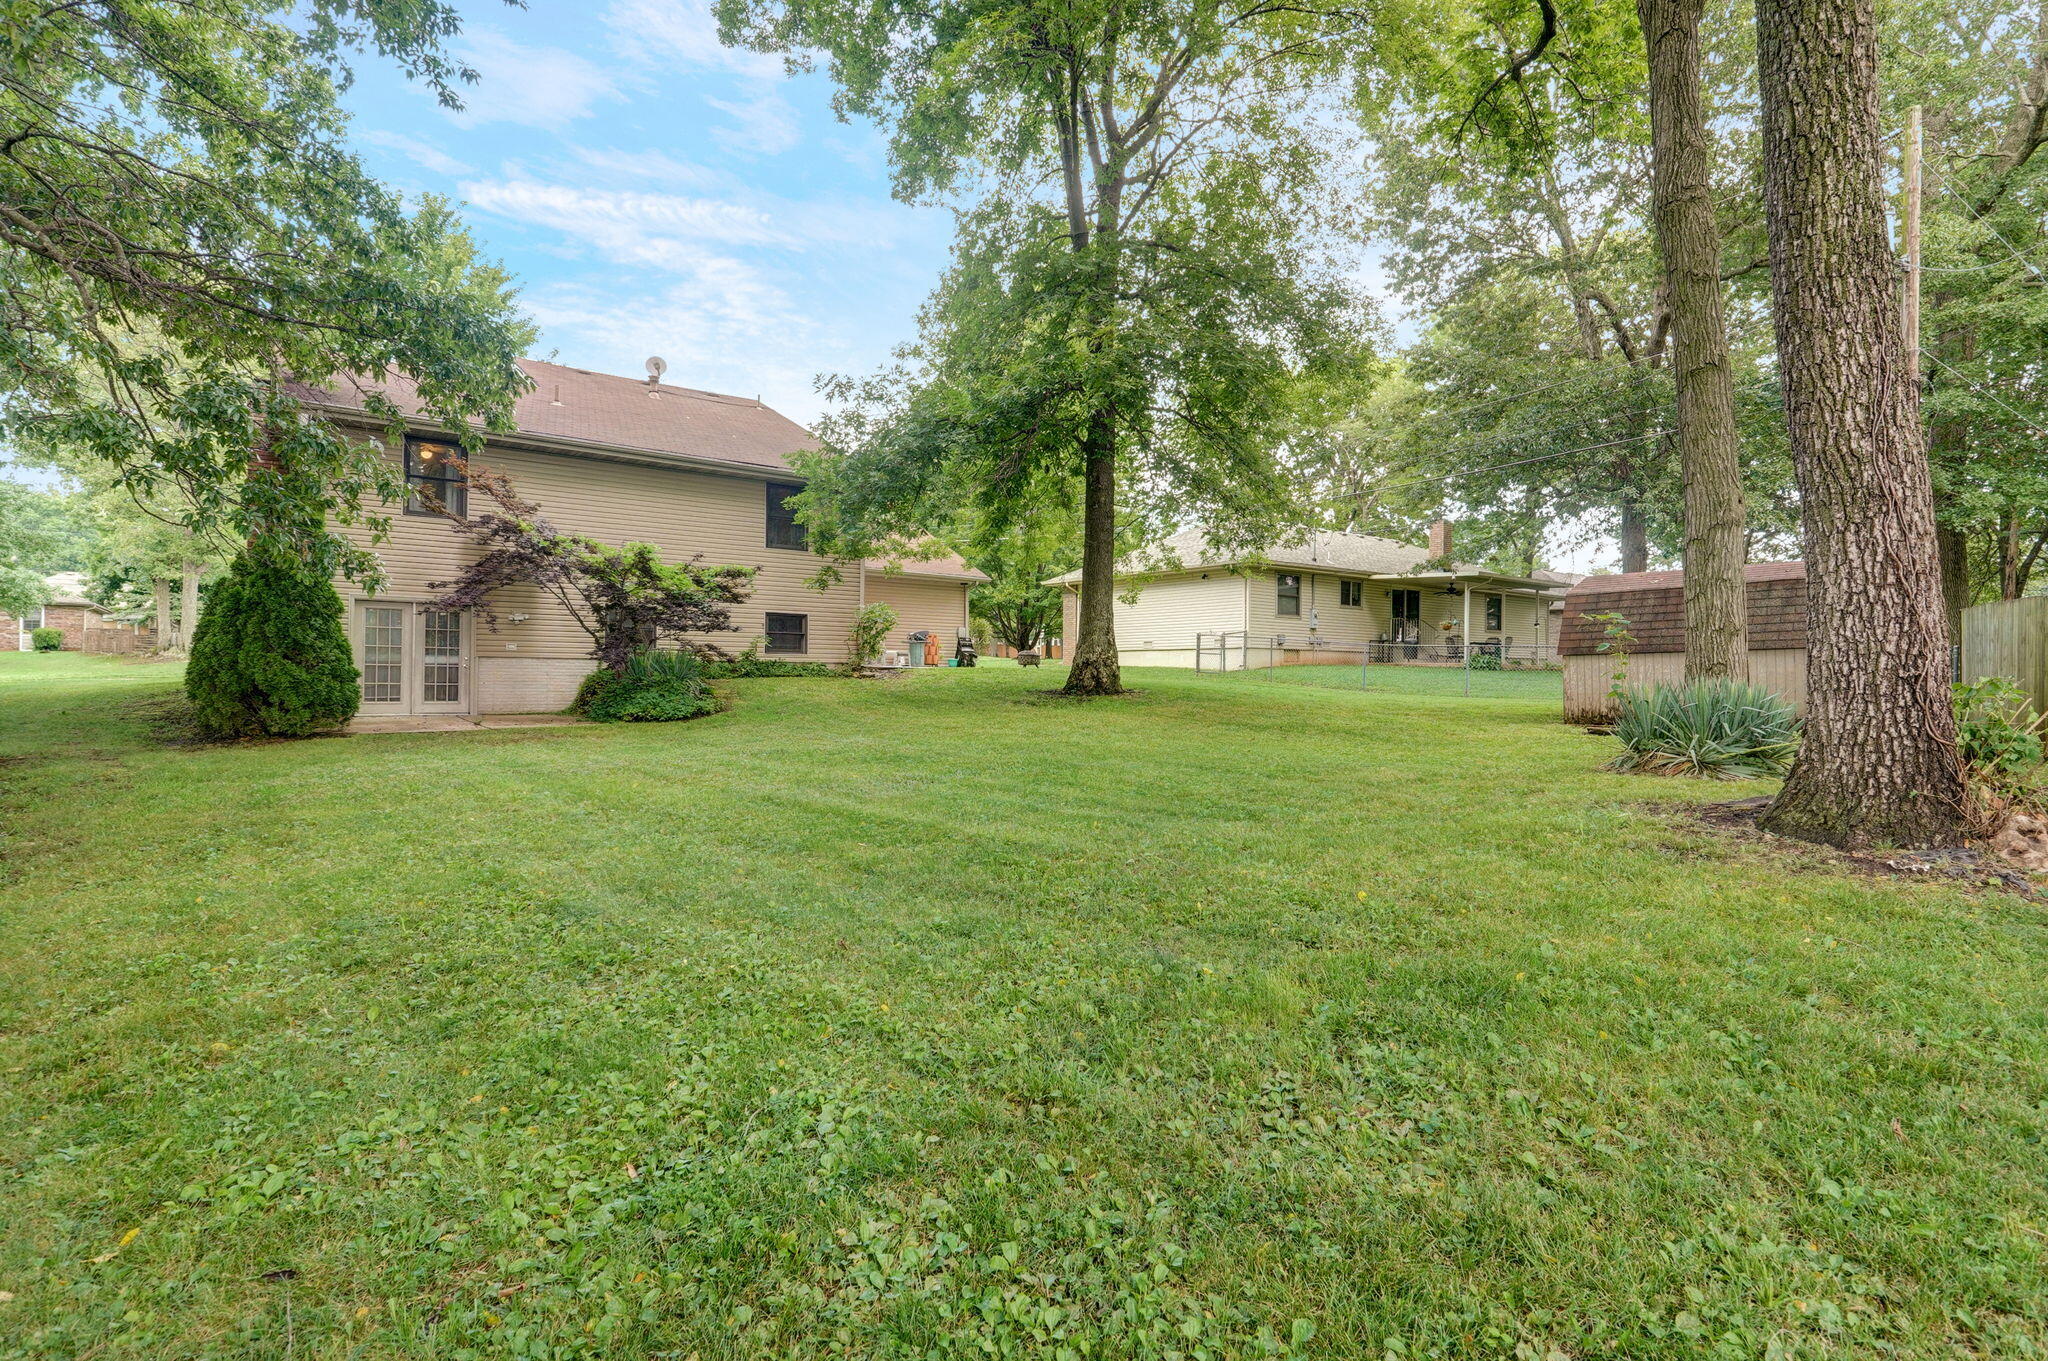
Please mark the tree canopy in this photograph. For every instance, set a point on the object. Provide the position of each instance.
(1141, 279)
(184, 234)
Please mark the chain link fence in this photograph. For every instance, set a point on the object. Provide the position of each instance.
(1498, 668)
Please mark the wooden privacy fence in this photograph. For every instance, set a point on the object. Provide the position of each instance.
(119, 642)
(2009, 638)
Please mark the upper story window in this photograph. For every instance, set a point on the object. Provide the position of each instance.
(1350, 593)
(1493, 613)
(1290, 594)
(784, 529)
(434, 473)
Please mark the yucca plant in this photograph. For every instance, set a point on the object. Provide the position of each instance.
(1710, 730)
(669, 664)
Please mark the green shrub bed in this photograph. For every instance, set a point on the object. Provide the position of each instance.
(655, 687)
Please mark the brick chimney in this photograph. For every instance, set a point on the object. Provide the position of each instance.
(1440, 539)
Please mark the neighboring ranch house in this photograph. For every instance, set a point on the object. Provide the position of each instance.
(620, 460)
(68, 611)
(1653, 603)
(1325, 596)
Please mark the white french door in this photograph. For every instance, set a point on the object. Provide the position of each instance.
(413, 660)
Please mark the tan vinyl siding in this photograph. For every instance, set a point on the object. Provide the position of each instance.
(1520, 616)
(683, 513)
(1373, 619)
(934, 605)
(1320, 592)
(1171, 610)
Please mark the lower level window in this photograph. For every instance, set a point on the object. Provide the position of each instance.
(1350, 593)
(787, 632)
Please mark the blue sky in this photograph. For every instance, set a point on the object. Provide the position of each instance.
(657, 193)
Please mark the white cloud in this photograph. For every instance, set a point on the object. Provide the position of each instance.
(644, 167)
(543, 87)
(764, 124)
(421, 153)
(681, 32)
(645, 228)
(633, 227)
(726, 329)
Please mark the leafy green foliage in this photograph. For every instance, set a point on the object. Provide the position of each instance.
(870, 628)
(1998, 734)
(1538, 394)
(37, 537)
(1483, 659)
(661, 686)
(1140, 288)
(1977, 69)
(1709, 729)
(749, 664)
(270, 657)
(617, 699)
(189, 243)
(46, 639)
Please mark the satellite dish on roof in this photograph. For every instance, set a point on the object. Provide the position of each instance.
(656, 366)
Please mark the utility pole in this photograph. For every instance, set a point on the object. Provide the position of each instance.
(1909, 228)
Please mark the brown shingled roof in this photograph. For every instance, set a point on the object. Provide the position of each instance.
(950, 568)
(629, 413)
(1654, 605)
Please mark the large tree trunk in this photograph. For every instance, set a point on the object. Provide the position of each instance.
(1952, 550)
(1946, 445)
(1878, 765)
(1634, 532)
(1092, 668)
(188, 605)
(1689, 240)
(162, 588)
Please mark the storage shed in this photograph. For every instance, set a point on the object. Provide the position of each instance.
(1653, 603)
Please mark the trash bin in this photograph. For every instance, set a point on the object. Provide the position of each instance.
(914, 656)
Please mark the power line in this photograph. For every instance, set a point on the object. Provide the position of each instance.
(1749, 387)
(1520, 462)
(1982, 391)
(1941, 182)
(1528, 392)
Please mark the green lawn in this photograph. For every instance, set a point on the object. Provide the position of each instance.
(1448, 681)
(939, 1017)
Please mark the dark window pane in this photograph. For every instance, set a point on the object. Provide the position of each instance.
(1493, 612)
(784, 530)
(1290, 594)
(1351, 593)
(434, 472)
(787, 632)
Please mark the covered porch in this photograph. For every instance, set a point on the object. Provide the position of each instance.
(1414, 618)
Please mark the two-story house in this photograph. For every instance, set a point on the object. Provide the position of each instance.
(620, 460)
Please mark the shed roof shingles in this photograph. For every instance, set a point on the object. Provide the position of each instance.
(627, 413)
(1653, 603)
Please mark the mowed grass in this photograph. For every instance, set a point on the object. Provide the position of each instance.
(941, 1017)
(1389, 679)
